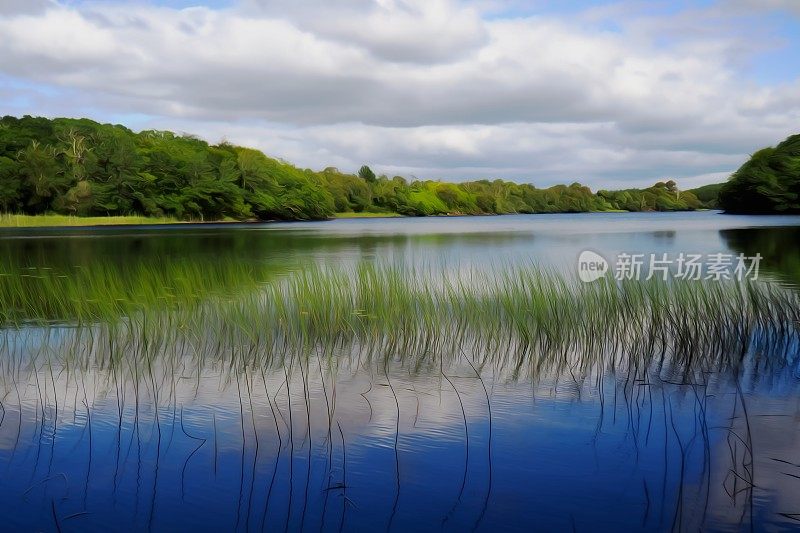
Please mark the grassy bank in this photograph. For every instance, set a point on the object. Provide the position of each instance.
(38, 221)
(366, 215)
(54, 221)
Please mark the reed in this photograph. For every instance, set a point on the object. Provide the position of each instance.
(366, 214)
(523, 319)
(104, 292)
(8, 220)
(144, 336)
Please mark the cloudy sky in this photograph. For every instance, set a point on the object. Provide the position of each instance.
(609, 93)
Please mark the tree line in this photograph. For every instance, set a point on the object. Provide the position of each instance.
(83, 168)
(769, 182)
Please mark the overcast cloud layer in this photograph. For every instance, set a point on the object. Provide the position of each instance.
(609, 94)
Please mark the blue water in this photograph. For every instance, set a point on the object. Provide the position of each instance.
(548, 462)
(552, 240)
(93, 446)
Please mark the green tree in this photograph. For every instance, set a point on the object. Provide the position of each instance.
(366, 174)
(769, 182)
(10, 184)
(81, 167)
(38, 165)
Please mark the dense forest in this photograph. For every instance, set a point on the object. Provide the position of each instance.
(708, 195)
(769, 182)
(81, 167)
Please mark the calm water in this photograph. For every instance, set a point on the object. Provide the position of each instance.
(336, 440)
(485, 242)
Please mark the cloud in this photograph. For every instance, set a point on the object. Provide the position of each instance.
(204, 63)
(405, 31)
(434, 88)
(545, 154)
(790, 6)
(12, 7)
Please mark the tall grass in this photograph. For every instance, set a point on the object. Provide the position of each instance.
(142, 338)
(104, 292)
(367, 214)
(522, 319)
(30, 221)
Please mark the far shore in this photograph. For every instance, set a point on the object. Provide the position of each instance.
(69, 221)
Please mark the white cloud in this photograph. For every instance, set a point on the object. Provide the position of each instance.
(414, 31)
(10, 7)
(424, 87)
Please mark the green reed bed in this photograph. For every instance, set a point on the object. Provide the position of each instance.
(154, 339)
(105, 292)
(8, 220)
(522, 319)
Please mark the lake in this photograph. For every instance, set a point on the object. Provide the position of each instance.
(240, 377)
(553, 240)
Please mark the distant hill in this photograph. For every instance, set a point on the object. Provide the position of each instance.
(80, 167)
(768, 183)
(708, 195)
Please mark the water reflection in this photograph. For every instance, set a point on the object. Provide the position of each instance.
(209, 430)
(778, 246)
(460, 242)
(119, 433)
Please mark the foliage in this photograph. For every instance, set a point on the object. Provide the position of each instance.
(769, 182)
(708, 194)
(28, 221)
(660, 197)
(366, 174)
(78, 167)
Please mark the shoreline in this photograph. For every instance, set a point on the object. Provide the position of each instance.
(41, 221)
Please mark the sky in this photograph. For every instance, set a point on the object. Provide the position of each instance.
(608, 93)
